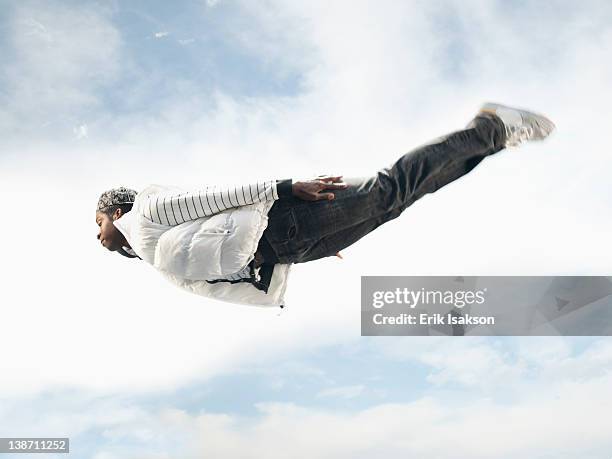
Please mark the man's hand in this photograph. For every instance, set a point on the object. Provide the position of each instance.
(310, 190)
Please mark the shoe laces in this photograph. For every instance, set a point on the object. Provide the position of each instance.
(517, 134)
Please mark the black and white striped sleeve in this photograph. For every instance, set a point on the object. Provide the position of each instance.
(174, 209)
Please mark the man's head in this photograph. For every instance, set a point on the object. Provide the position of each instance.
(111, 206)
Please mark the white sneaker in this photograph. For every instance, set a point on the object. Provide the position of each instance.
(521, 125)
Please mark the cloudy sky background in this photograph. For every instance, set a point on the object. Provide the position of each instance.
(103, 350)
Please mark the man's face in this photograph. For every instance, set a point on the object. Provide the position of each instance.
(109, 236)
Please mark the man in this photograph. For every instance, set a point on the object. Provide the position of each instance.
(237, 243)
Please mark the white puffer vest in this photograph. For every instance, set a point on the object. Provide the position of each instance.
(206, 248)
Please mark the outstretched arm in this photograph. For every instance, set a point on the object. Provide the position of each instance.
(176, 208)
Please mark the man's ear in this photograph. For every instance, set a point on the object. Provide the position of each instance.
(117, 213)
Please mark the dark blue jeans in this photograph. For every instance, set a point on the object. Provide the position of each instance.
(299, 231)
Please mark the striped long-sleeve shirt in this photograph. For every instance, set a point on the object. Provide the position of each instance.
(174, 209)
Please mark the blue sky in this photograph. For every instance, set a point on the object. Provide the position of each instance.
(105, 351)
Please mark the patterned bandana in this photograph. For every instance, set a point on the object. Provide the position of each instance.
(116, 196)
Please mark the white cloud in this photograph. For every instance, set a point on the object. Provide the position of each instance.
(81, 131)
(60, 57)
(562, 417)
(342, 391)
(480, 363)
(161, 34)
(470, 428)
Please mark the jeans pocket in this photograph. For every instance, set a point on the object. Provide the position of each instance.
(282, 226)
(292, 231)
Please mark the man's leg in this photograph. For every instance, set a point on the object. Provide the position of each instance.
(301, 231)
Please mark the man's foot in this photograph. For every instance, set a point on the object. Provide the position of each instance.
(521, 125)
